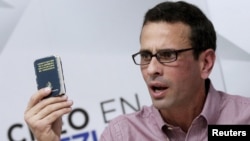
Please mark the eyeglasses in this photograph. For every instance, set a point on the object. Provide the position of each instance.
(163, 56)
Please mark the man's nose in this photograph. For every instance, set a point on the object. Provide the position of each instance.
(154, 66)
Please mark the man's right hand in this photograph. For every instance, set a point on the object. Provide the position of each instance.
(44, 116)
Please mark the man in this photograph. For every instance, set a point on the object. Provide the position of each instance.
(176, 57)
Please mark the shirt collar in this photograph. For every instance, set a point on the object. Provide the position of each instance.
(159, 121)
(211, 108)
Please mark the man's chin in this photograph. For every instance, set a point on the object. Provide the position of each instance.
(160, 104)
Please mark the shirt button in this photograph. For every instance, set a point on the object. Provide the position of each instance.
(170, 128)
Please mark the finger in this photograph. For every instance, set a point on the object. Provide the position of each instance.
(44, 104)
(52, 121)
(52, 107)
(38, 96)
(57, 124)
(37, 118)
(49, 119)
(52, 117)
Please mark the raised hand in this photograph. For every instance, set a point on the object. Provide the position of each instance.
(44, 116)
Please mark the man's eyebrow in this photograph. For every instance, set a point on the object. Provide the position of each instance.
(145, 50)
(158, 50)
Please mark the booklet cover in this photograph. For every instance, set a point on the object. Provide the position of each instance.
(49, 73)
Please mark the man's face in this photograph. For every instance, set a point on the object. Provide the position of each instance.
(174, 84)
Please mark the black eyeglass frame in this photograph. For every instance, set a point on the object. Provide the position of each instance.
(176, 52)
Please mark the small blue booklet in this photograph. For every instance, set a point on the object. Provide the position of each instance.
(49, 73)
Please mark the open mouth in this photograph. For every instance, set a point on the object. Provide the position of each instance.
(158, 88)
(158, 91)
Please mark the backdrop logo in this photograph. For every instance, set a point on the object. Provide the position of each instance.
(84, 136)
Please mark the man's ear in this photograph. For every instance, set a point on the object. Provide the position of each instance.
(207, 60)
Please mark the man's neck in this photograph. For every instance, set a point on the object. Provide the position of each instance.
(183, 116)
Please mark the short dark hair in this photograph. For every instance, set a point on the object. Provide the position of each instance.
(203, 34)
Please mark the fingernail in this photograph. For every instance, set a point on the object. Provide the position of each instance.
(47, 89)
